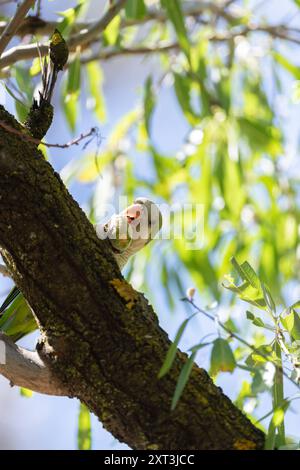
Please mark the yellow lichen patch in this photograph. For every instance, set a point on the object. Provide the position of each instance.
(244, 444)
(125, 291)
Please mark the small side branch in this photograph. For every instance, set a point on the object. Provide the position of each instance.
(93, 132)
(4, 271)
(26, 369)
(14, 23)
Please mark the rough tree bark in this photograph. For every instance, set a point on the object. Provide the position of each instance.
(102, 348)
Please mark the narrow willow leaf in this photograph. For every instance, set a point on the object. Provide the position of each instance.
(247, 273)
(176, 16)
(261, 355)
(84, 439)
(268, 297)
(69, 17)
(271, 436)
(112, 31)
(173, 349)
(250, 290)
(182, 90)
(149, 103)
(11, 93)
(95, 81)
(182, 379)
(196, 348)
(135, 9)
(295, 305)
(24, 81)
(255, 320)
(278, 417)
(222, 358)
(292, 323)
(70, 109)
(73, 83)
(287, 65)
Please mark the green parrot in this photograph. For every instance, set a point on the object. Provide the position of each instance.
(128, 232)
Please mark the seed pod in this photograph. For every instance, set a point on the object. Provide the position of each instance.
(190, 292)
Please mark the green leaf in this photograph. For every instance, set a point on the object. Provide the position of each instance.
(222, 358)
(84, 439)
(271, 436)
(295, 305)
(255, 320)
(135, 9)
(21, 111)
(21, 108)
(95, 81)
(247, 273)
(112, 31)
(182, 90)
(71, 92)
(182, 379)
(69, 17)
(24, 81)
(25, 392)
(278, 417)
(174, 11)
(73, 83)
(70, 109)
(261, 355)
(250, 290)
(173, 349)
(196, 348)
(261, 136)
(268, 297)
(292, 323)
(285, 63)
(149, 103)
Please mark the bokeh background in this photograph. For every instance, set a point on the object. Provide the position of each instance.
(43, 422)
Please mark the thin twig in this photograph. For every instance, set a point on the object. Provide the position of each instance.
(14, 23)
(30, 51)
(110, 52)
(241, 340)
(93, 132)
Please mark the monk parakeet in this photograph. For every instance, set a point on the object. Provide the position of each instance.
(128, 232)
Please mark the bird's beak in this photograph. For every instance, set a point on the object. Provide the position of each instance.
(133, 212)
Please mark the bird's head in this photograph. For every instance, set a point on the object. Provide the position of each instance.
(133, 228)
(144, 220)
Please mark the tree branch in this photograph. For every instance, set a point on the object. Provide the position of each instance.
(14, 23)
(103, 349)
(85, 36)
(26, 369)
(88, 35)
